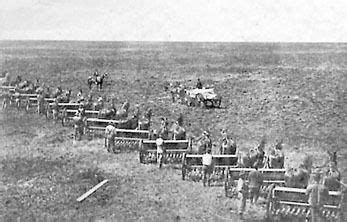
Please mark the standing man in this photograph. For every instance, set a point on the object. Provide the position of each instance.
(242, 190)
(207, 167)
(110, 133)
(160, 150)
(317, 194)
(255, 180)
(206, 142)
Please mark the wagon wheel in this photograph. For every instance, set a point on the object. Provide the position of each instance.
(64, 117)
(48, 110)
(18, 104)
(217, 103)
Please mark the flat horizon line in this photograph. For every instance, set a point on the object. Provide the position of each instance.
(157, 41)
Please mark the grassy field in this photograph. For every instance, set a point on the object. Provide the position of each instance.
(292, 91)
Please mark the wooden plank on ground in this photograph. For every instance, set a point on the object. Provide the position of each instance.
(84, 196)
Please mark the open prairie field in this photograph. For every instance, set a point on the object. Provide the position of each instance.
(294, 92)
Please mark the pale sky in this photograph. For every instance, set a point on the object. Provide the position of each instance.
(175, 20)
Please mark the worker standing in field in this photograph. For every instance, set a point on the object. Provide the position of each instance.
(255, 180)
(160, 150)
(317, 194)
(199, 84)
(207, 167)
(242, 191)
(109, 137)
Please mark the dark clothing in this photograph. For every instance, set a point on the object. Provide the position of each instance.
(255, 180)
(207, 171)
(199, 85)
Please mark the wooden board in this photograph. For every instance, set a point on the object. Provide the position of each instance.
(89, 192)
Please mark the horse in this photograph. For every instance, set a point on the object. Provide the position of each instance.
(107, 113)
(58, 91)
(99, 79)
(228, 146)
(131, 123)
(145, 121)
(5, 80)
(123, 112)
(98, 105)
(299, 177)
(252, 158)
(179, 132)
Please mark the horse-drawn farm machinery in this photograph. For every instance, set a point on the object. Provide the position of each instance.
(174, 151)
(192, 167)
(270, 177)
(289, 203)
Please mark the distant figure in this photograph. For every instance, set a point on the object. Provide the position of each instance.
(80, 97)
(318, 193)
(242, 191)
(207, 167)
(199, 84)
(160, 150)
(255, 179)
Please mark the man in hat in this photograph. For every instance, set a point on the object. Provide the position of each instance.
(255, 180)
(160, 150)
(318, 194)
(110, 133)
(242, 191)
(207, 167)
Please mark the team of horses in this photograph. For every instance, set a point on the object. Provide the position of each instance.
(254, 157)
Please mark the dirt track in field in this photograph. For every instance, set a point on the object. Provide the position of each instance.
(295, 92)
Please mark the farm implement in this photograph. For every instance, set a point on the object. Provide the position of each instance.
(290, 203)
(270, 176)
(174, 151)
(125, 138)
(192, 168)
(18, 99)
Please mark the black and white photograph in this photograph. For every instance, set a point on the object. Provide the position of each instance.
(173, 110)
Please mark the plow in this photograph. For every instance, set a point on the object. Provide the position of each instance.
(192, 167)
(174, 151)
(289, 203)
(270, 177)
